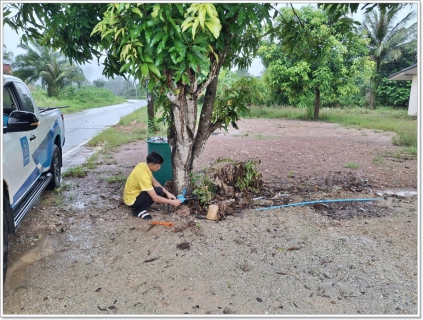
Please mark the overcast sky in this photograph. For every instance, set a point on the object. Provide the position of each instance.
(93, 71)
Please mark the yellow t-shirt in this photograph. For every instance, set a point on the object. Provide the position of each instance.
(140, 179)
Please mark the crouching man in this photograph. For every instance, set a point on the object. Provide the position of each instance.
(142, 189)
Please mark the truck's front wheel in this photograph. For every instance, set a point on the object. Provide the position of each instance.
(55, 169)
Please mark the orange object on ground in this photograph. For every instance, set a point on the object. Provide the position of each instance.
(163, 223)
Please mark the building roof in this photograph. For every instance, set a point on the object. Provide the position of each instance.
(406, 74)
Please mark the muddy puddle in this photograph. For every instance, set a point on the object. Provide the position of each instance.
(44, 246)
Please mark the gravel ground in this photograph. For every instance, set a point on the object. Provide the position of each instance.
(80, 252)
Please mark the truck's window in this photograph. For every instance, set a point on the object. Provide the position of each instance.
(8, 104)
(27, 102)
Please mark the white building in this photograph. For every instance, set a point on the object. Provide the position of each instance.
(409, 74)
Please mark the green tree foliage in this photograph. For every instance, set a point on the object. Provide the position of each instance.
(63, 26)
(387, 36)
(236, 92)
(51, 67)
(395, 93)
(389, 39)
(180, 47)
(389, 46)
(99, 83)
(315, 57)
(242, 73)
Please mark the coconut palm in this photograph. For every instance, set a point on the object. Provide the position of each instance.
(51, 67)
(387, 37)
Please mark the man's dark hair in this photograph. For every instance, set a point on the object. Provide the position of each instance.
(154, 158)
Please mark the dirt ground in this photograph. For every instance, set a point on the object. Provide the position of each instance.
(80, 252)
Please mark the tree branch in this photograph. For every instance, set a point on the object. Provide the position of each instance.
(295, 13)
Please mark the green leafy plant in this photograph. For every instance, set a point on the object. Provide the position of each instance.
(203, 188)
(249, 178)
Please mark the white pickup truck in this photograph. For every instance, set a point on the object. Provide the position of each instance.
(32, 154)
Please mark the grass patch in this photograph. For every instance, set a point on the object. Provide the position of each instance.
(75, 172)
(112, 137)
(379, 161)
(92, 161)
(402, 155)
(352, 165)
(410, 150)
(77, 99)
(117, 178)
(64, 187)
(132, 127)
(278, 113)
(139, 116)
(262, 137)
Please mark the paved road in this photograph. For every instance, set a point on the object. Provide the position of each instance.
(80, 127)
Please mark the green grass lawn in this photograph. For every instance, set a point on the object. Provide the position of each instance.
(77, 99)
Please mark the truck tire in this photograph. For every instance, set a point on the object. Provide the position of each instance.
(55, 169)
(6, 209)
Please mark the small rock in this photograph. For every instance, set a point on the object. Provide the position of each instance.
(183, 246)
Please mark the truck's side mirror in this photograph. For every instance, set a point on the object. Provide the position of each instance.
(21, 121)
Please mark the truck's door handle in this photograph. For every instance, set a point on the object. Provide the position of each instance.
(32, 137)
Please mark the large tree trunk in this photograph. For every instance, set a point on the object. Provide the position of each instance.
(186, 139)
(181, 139)
(317, 104)
(188, 142)
(372, 95)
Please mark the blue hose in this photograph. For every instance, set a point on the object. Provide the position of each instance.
(318, 201)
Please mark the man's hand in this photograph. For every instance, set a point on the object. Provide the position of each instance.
(170, 196)
(175, 202)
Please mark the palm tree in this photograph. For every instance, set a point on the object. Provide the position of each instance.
(51, 67)
(387, 37)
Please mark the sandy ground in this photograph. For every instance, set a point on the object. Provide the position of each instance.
(80, 252)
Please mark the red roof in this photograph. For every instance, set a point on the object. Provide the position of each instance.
(7, 68)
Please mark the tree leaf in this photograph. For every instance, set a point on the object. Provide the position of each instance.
(156, 10)
(214, 26)
(137, 11)
(144, 69)
(194, 27)
(152, 67)
(202, 15)
(187, 23)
